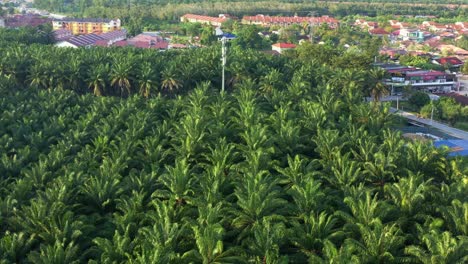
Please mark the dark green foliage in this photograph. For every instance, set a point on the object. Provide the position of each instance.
(419, 99)
(134, 156)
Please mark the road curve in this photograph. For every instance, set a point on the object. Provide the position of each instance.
(455, 132)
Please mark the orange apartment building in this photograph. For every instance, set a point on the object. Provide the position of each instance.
(79, 26)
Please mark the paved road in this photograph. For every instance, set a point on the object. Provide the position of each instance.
(455, 132)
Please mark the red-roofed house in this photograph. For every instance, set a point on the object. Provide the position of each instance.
(459, 52)
(462, 24)
(378, 32)
(101, 43)
(451, 61)
(265, 20)
(280, 47)
(121, 43)
(370, 24)
(148, 40)
(447, 35)
(149, 45)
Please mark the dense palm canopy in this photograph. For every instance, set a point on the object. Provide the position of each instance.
(279, 169)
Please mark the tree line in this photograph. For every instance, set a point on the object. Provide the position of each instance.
(126, 71)
(170, 10)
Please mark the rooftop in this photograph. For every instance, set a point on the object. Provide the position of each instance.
(114, 34)
(450, 60)
(205, 18)
(84, 40)
(457, 147)
(378, 31)
(91, 20)
(294, 19)
(425, 73)
(284, 45)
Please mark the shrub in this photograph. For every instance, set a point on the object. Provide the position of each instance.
(419, 99)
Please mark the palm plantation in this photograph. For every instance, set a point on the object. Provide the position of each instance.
(135, 160)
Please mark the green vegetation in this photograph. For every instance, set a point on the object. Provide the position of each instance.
(419, 99)
(423, 62)
(26, 35)
(122, 155)
(298, 175)
(123, 71)
(172, 10)
(446, 109)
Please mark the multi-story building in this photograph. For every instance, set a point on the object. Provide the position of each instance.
(423, 80)
(80, 26)
(412, 34)
(214, 21)
(265, 20)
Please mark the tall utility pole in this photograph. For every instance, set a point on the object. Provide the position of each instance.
(311, 14)
(432, 111)
(397, 102)
(223, 60)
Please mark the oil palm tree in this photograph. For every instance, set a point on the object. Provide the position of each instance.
(210, 246)
(440, 248)
(376, 86)
(56, 253)
(14, 246)
(308, 197)
(258, 197)
(121, 76)
(378, 244)
(271, 81)
(456, 217)
(409, 192)
(170, 79)
(37, 77)
(312, 235)
(98, 78)
(265, 244)
(179, 183)
(330, 254)
(158, 242)
(147, 80)
(116, 249)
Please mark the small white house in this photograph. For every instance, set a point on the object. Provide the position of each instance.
(281, 47)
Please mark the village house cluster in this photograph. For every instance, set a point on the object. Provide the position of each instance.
(413, 39)
(426, 40)
(422, 80)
